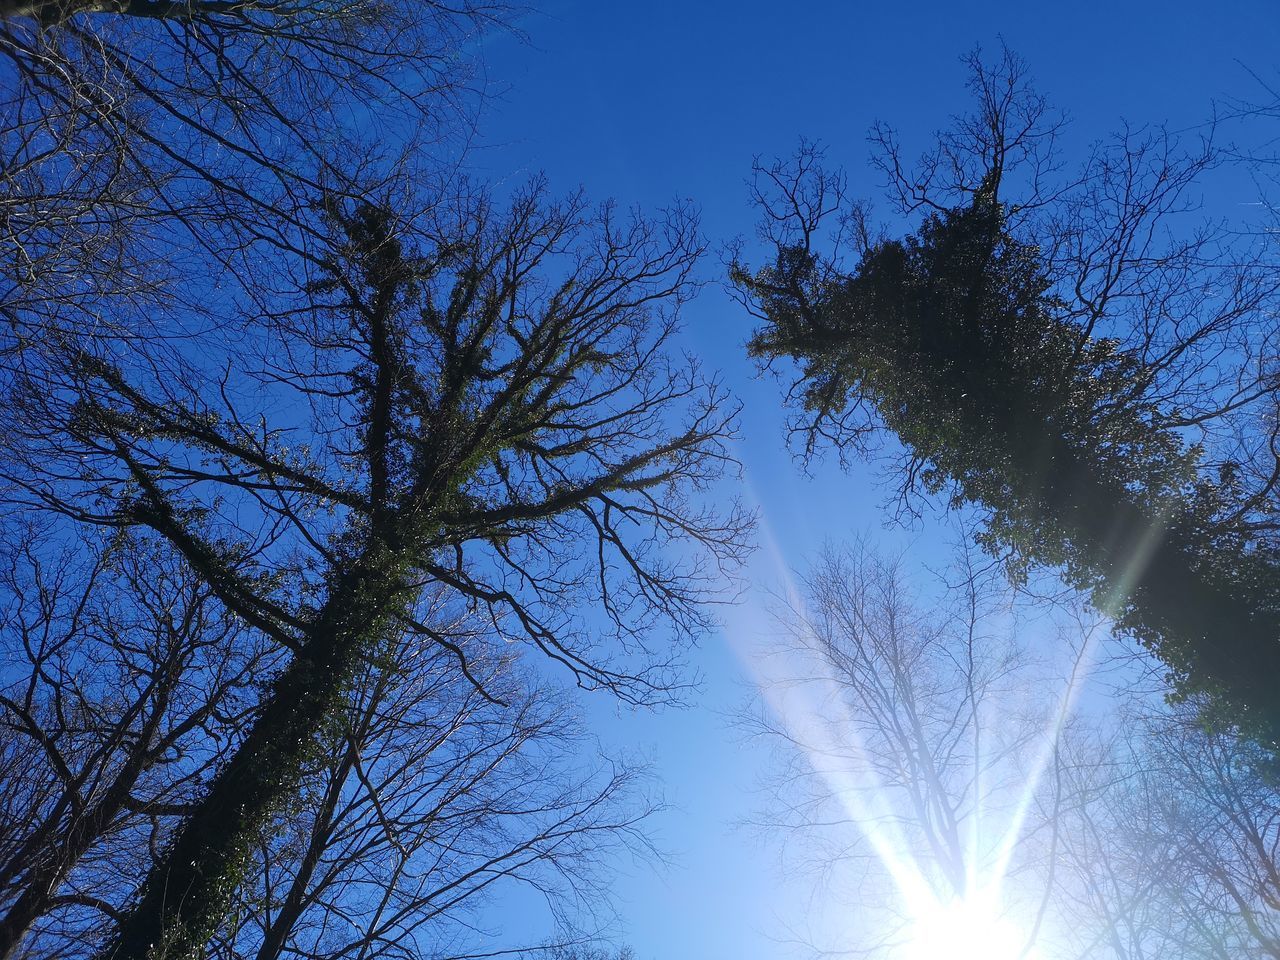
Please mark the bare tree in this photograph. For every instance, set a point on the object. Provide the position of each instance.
(150, 147)
(428, 798)
(124, 685)
(589, 952)
(910, 746)
(469, 400)
(332, 379)
(1172, 847)
(927, 762)
(424, 795)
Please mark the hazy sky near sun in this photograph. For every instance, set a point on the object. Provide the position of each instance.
(647, 102)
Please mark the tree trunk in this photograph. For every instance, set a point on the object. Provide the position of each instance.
(187, 894)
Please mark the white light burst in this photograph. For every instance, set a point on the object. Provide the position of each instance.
(954, 909)
(972, 928)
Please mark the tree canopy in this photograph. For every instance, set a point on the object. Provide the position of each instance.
(963, 340)
(481, 401)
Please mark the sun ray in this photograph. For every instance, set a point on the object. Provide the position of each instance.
(960, 920)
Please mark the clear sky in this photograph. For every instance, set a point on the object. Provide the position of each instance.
(650, 101)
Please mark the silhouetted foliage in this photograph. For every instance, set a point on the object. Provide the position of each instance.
(1122, 457)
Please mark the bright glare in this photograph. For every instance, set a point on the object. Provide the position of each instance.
(969, 929)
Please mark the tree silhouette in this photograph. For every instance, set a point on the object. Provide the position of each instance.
(151, 147)
(1109, 403)
(480, 401)
(124, 684)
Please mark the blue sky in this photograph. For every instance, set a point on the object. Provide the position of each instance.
(649, 102)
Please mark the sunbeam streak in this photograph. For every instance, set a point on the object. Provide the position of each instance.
(942, 813)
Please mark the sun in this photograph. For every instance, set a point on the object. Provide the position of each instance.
(971, 928)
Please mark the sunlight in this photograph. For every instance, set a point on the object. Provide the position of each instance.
(804, 691)
(964, 929)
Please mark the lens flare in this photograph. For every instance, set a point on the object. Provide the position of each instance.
(972, 928)
(945, 871)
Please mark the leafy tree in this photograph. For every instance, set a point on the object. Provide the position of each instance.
(1107, 402)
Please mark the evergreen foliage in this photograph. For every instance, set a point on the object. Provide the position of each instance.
(956, 341)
